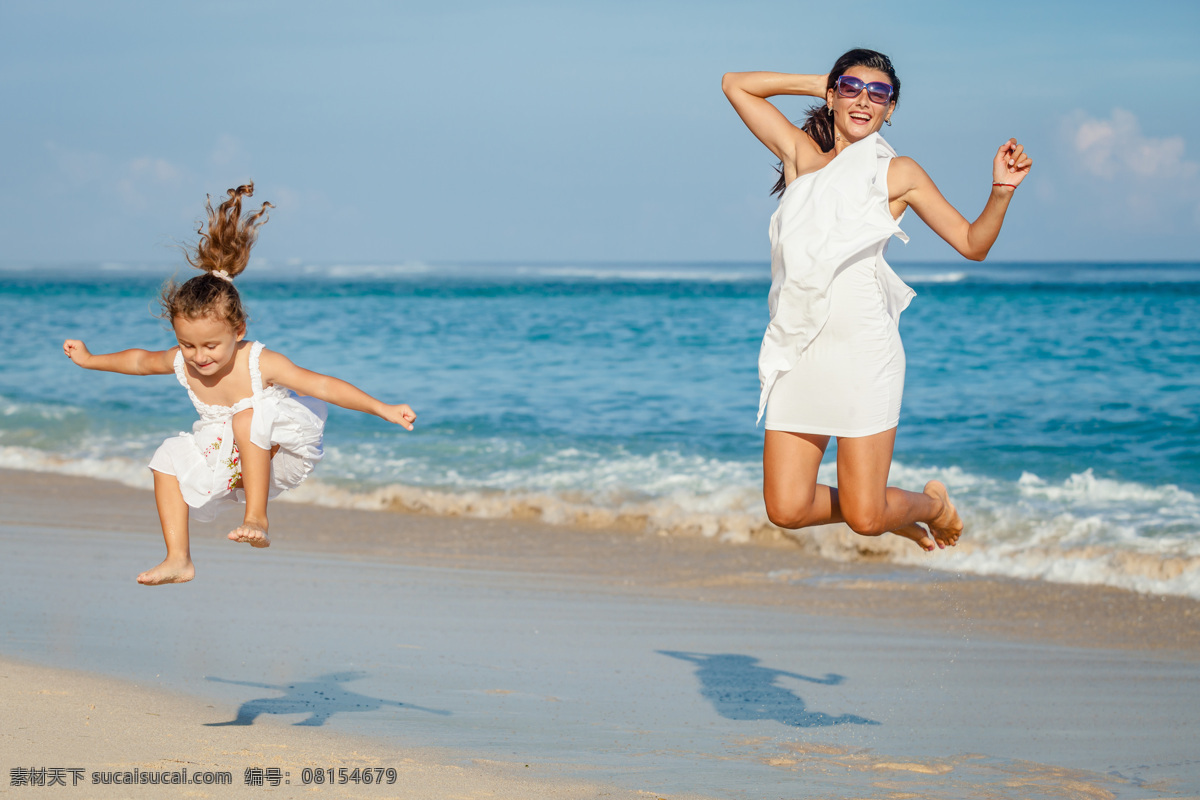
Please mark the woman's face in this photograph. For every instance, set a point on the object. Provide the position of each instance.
(855, 118)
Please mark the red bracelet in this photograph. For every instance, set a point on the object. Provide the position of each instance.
(1012, 186)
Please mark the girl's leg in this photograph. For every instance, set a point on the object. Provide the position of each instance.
(256, 481)
(173, 514)
(792, 495)
(871, 507)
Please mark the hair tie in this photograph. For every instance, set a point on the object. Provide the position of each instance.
(222, 274)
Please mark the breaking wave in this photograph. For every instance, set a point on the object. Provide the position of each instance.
(1084, 529)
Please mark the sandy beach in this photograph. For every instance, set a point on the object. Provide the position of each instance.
(485, 658)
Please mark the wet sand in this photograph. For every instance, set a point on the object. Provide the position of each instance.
(95, 730)
(608, 661)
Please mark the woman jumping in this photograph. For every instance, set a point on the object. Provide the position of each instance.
(831, 362)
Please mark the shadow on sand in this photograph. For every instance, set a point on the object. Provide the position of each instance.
(740, 689)
(320, 699)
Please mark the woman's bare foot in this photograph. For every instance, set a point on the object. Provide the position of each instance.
(252, 531)
(171, 570)
(946, 527)
(918, 535)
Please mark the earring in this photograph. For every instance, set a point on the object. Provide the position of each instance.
(829, 110)
(888, 121)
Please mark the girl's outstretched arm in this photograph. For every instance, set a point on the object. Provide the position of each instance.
(909, 185)
(126, 362)
(278, 369)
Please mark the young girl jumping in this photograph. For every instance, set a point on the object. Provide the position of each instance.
(261, 416)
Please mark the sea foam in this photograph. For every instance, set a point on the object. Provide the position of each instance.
(1083, 529)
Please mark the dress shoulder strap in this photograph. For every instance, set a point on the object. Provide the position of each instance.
(202, 408)
(256, 384)
(181, 371)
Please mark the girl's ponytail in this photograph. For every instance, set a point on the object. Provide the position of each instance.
(222, 253)
(225, 245)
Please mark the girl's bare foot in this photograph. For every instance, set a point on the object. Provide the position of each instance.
(946, 527)
(252, 531)
(918, 535)
(171, 570)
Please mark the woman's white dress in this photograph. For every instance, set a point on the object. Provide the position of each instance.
(206, 461)
(831, 361)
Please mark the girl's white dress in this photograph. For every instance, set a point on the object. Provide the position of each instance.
(206, 461)
(831, 361)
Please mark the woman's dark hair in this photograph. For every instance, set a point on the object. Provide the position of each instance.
(819, 121)
(224, 247)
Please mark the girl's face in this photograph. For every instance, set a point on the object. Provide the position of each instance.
(208, 343)
(857, 117)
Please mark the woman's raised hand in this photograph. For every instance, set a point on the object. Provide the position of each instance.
(1011, 164)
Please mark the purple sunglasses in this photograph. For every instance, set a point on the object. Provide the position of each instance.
(849, 86)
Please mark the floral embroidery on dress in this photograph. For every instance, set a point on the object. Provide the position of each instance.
(234, 465)
(215, 447)
(292, 426)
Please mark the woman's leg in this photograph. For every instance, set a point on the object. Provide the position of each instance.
(256, 481)
(871, 507)
(792, 495)
(177, 567)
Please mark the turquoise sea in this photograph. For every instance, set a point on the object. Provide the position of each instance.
(1060, 402)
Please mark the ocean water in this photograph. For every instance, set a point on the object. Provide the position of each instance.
(1059, 402)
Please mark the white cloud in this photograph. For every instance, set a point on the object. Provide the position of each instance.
(156, 169)
(1131, 180)
(228, 153)
(1115, 148)
(133, 187)
(147, 180)
(76, 167)
(293, 199)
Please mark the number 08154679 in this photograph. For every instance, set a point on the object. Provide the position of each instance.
(311, 776)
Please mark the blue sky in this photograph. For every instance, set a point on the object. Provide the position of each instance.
(395, 131)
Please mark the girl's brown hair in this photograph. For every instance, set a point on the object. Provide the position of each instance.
(222, 252)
